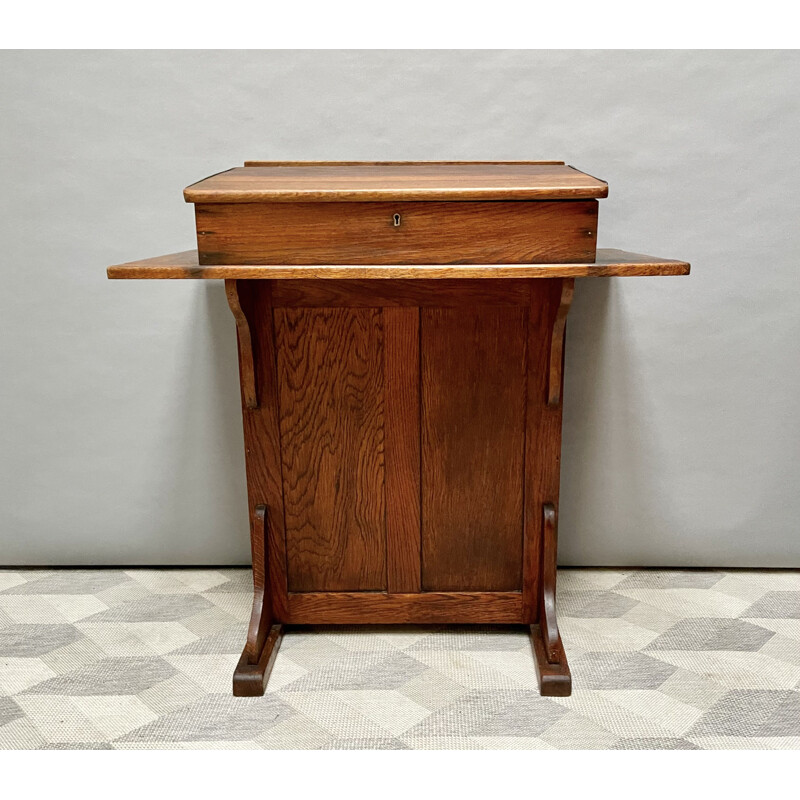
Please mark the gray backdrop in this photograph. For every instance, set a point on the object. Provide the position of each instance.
(119, 411)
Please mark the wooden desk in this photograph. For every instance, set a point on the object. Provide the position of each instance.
(401, 343)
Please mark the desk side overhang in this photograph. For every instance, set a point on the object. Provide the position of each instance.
(608, 263)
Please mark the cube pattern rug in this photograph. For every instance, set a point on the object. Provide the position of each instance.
(143, 659)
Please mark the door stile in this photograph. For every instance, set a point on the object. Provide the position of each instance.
(402, 449)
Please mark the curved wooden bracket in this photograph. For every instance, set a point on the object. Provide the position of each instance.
(263, 637)
(547, 609)
(551, 661)
(557, 339)
(247, 372)
(261, 614)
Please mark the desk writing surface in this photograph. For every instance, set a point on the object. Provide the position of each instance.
(397, 182)
(609, 263)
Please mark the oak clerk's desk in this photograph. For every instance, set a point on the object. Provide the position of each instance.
(401, 341)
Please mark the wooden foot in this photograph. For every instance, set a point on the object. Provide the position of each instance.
(263, 636)
(548, 652)
(554, 677)
(250, 680)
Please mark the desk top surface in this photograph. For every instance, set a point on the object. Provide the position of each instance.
(263, 181)
(608, 263)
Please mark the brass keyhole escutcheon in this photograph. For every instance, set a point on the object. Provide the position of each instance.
(396, 219)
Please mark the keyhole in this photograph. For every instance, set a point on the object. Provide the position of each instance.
(396, 220)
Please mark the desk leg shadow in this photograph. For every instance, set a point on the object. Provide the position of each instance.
(552, 669)
(263, 637)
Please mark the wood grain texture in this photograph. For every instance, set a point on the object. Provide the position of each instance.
(608, 263)
(439, 294)
(334, 608)
(247, 374)
(557, 340)
(401, 359)
(548, 624)
(542, 437)
(366, 233)
(550, 304)
(397, 182)
(330, 364)
(250, 680)
(261, 611)
(473, 432)
(262, 444)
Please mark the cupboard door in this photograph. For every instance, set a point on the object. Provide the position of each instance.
(473, 376)
(331, 407)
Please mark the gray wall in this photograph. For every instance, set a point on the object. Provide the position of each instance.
(119, 416)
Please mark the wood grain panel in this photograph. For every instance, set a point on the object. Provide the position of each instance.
(441, 294)
(402, 449)
(365, 233)
(339, 608)
(396, 182)
(473, 424)
(542, 437)
(262, 445)
(607, 264)
(330, 367)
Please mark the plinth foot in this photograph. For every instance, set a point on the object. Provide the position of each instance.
(548, 652)
(250, 680)
(554, 677)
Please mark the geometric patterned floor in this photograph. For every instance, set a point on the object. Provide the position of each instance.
(143, 658)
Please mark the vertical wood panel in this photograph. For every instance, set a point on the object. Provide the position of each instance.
(262, 443)
(331, 389)
(473, 433)
(542, 437)
(403, 569)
